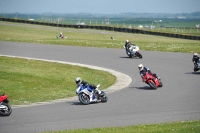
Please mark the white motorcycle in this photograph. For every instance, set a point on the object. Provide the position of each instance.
(133, 51)
(87, 95)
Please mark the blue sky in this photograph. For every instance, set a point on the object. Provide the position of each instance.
(99, 6)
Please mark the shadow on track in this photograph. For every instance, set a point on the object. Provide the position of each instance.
(129, 57)
(76, 103)
(80, 104)
(195, 73)
(142, 88)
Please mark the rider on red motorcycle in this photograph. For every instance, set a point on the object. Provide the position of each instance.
(143, 71)
(2, 97)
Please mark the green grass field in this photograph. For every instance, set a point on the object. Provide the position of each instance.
(17, 32)
(27, 81)
(173, 127)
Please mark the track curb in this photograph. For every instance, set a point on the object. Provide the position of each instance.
(123, 80)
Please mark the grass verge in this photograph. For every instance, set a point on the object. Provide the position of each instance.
(27, 81)
(174, 127)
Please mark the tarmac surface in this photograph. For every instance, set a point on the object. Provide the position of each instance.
(130, 101)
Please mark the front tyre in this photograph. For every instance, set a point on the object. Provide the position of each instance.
(104, 97)
(6, 111)
(160, 83)
(84, 99)
(139, 55)
(152, 85)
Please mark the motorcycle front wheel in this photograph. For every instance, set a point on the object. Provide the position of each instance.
(160, 83)
(139, 55)
(7, 111)
(84, 99)
(104, 97)
(152, 85)
(196, 68)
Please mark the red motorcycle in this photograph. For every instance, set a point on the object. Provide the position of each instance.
(5, 109)
(152, 80)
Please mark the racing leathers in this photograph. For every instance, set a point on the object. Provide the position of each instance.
(92, 87)
(195, 59)
(127, 46)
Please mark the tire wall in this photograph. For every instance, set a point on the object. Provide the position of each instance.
(109, 28)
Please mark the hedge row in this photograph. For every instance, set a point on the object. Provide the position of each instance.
(128, 30)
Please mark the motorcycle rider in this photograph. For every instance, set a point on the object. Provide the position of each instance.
(2, 97)
(79, 81)
(195, 58)
(127, 45)
(143, 71)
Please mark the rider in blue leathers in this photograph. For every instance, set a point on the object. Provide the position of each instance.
(91, 87)
(143, 71)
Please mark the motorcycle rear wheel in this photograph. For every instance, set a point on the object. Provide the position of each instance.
(7, 111)
(129, 54)
(84, 99)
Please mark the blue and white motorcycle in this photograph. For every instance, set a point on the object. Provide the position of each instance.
(87, 95)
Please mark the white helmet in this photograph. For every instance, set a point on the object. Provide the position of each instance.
(78, 80)
(127, 41)
(195, 54)
(140, 67)
(61, 33)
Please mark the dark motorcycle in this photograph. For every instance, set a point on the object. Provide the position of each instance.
(196, 66)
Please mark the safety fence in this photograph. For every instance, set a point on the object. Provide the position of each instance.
(109, 28)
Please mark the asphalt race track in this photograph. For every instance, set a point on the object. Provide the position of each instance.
(177, 100)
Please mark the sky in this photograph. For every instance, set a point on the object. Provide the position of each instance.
(99, 6)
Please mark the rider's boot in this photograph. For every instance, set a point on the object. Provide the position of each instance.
(99, 92)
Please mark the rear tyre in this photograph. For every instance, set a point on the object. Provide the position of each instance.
(7, 111)
(129, 54)
(84, 99)
(104, 98)
(152, 85)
